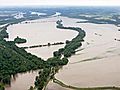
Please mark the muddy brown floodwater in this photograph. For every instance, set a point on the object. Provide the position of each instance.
(97, 64)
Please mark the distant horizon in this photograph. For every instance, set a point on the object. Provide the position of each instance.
(60, 3)
(44, 6)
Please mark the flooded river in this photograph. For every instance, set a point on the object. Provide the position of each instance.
(37, 32)
(97, 64)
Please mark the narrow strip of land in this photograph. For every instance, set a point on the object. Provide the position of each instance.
(78, 88)
(44, 45)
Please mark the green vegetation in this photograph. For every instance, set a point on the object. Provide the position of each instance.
(49, 44)
(3, 33)
(2, 86)
(12, 21)
(19, 40)
(55, 63)
(15, 60)
(47, 73)
(98, 18)
(72, 45)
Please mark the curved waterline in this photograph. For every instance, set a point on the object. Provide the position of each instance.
(79, 88)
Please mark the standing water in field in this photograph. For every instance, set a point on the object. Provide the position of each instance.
(96, 64)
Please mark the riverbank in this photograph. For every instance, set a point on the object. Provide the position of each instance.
(78, 88)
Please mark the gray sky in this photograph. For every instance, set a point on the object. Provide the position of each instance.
(62, 2)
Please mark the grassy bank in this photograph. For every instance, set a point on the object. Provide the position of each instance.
(78, 88)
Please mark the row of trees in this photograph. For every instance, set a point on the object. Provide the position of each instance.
(72, 45)
(53, 64)
(47, 73)
(48, 44)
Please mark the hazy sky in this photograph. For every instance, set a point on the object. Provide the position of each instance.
(62, 2)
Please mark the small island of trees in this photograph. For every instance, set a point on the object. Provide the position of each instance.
(19, 40)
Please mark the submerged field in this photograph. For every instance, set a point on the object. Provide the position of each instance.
(96, 64)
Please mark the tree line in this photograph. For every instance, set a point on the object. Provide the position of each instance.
(56, 62)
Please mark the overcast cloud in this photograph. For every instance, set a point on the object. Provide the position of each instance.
(62, 2)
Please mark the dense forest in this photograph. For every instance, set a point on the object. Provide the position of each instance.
(15, 60)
